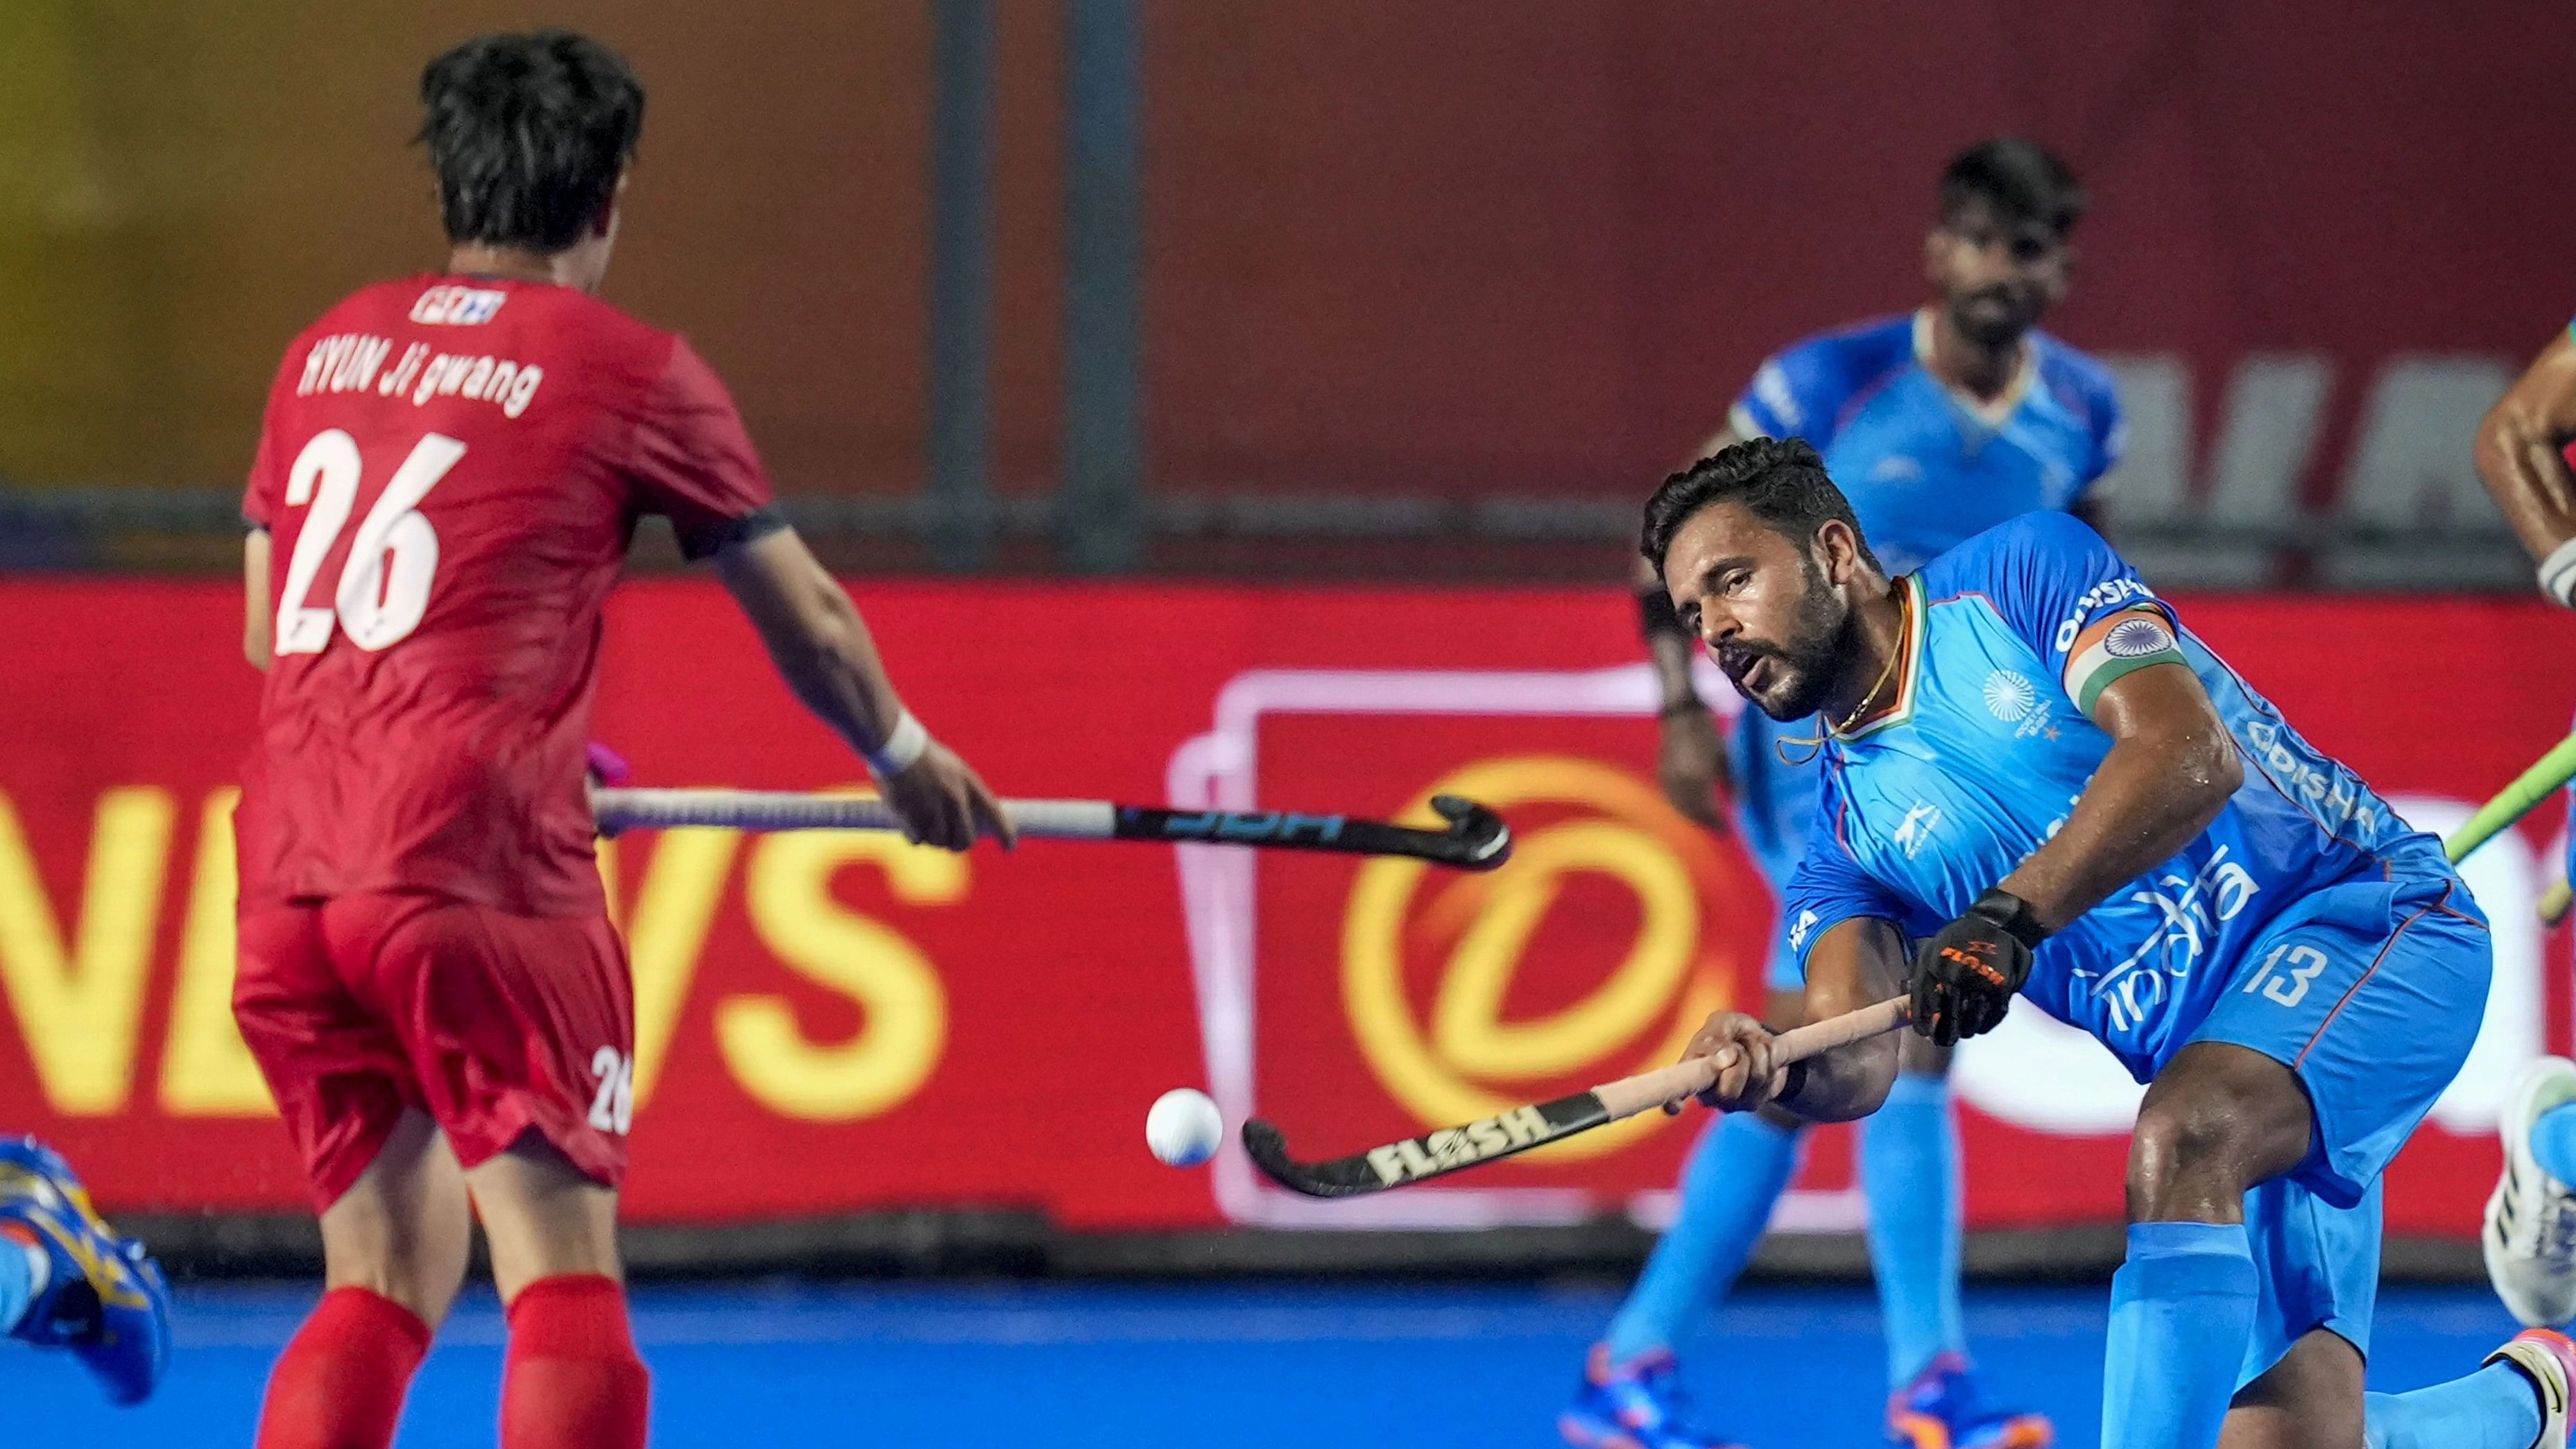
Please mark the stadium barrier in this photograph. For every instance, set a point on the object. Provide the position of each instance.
(824, 1019)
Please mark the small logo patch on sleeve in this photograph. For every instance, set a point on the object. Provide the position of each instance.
(2133, 637)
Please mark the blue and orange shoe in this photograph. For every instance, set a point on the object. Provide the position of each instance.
(1633, 1405)
(1939, 1410)
(104, 1298)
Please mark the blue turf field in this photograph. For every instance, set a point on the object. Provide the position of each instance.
(1142, 1368)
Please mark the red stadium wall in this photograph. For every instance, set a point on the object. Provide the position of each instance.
(841, 1023)
(1378, 263)
(1440, 246)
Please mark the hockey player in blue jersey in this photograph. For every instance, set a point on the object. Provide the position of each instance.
(1942, 423)
(2038, 784)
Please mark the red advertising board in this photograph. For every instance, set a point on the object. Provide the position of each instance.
(838, 1023)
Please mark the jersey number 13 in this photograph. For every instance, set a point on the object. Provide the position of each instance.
(384, 586)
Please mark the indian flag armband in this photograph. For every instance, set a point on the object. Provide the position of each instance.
(2117, 645)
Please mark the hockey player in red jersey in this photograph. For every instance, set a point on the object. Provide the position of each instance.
(449, 471)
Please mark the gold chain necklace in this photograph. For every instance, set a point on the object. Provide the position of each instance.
(1904, 626)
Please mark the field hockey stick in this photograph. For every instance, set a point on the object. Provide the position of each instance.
(2516, 800)
(1476, 838)
(1522, 1128)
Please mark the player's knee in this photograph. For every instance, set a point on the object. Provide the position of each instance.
(2182, 1157)
(543, 1218)
(2218, 1120)
(402, 1230)
(427, 1288)
(418, 1265)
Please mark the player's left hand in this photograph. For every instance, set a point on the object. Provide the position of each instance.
(943, 802)
(1740, 1046)
(1967, 973)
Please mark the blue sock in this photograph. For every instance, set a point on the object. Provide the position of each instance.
(2553, 1141)
(2494, 1408)
(1737, 1170)
(2182, 1309)
(1909, 1170)
(18, 1286)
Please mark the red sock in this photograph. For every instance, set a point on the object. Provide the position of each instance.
(572, 1380)
(341, 1381)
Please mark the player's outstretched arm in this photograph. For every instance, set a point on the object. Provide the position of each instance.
(822, 647)
(255, 621)
(1690, 757)
(2519, 452)
(2171, 768)
(1855, 963)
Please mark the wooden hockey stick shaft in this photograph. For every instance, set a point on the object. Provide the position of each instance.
(1628, 1096)
(1450, 1149)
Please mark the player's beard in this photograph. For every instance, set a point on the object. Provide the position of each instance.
(1994, 316)
(1808, 663)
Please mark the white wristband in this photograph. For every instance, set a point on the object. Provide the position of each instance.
(903, 745)
(2558, 574)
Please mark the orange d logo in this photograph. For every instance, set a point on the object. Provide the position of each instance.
(1581, 960)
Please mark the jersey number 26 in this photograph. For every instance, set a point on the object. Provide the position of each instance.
(384, 586)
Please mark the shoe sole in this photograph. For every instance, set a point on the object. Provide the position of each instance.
(2500, 1263)
(2514, 1132)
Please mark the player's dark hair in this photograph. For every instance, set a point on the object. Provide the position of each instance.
(528, 135)
(2020, 180)
(1780, 481)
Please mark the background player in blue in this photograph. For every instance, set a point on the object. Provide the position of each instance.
(1945, 422)
(2032, 770)
(2530, 1237)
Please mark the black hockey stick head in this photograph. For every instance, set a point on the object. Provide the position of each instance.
(1477, 838)
(1267, 1146)
(1434, 1154)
